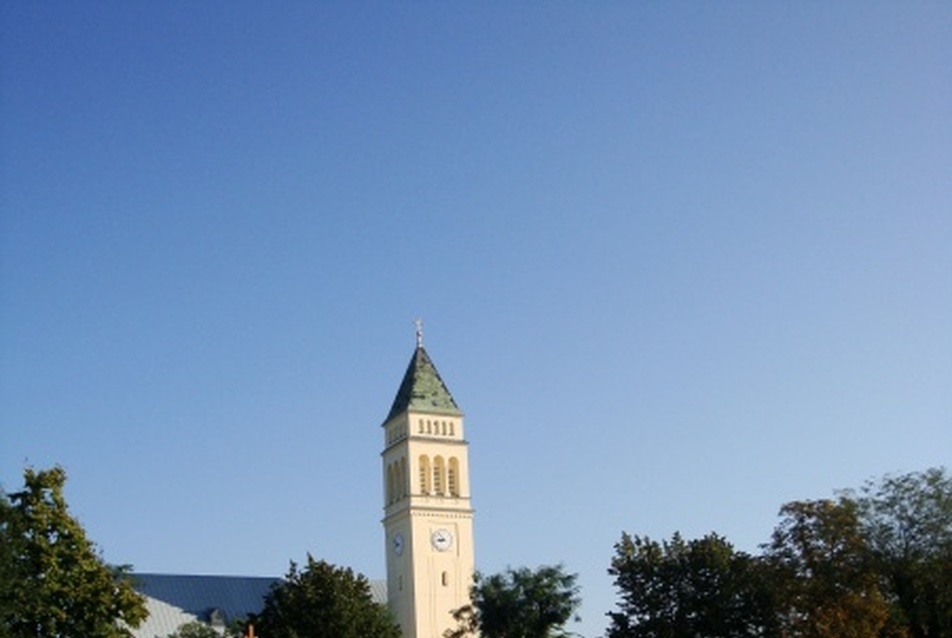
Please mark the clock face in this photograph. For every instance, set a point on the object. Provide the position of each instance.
(442, 540)
(397, 543)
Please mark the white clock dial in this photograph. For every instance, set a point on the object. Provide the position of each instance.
(397, 542)
(442, 540)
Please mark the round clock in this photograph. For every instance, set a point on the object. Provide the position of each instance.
(442, 540)
(397, 543)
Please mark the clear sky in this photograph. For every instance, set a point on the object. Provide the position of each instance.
(679, 263)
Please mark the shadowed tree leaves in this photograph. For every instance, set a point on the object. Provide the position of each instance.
(874, 563)
(827, 585)
(196, 629)
(519, 603)
(323, 601)
(55, 583)
(684, 589)
(907, 521)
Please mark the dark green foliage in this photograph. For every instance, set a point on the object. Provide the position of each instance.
(195, 629)
(826, 583)
(520, 603)
(323, 601)
(908, 523)
(683, 589)
(874, 563)
(55, 584)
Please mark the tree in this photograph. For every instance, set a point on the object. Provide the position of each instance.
(519, 603)
(58, 584)
(683, 589)
(8, 569)
(323, 601)
(907, 520)
(826, 583)
(195, 629)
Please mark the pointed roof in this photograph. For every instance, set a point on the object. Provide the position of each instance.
(422, 389)
(174, 599)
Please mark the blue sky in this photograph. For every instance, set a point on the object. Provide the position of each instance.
(679, 263)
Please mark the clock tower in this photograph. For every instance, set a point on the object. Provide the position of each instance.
(428, 518)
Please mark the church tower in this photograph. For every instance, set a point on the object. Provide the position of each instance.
(428, 518)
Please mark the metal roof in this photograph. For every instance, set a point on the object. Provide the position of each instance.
(422, 389)
(174, 599)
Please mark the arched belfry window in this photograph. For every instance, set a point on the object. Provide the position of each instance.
(390, 493)
(424, 474)
(402, 478)
(439, 476)
(452, 476)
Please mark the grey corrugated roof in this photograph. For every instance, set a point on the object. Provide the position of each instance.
(422, 389)
(173, 599)
(378, 591)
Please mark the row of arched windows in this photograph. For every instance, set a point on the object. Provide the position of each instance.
(396, 433)
(396, 481)
(431, 427)
(437, 477)
(441, 477)
(438, 427)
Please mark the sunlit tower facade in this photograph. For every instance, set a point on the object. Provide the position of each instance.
(428, 515)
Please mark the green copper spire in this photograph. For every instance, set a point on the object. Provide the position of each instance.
(422, 389)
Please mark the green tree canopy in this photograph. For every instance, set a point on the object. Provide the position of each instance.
(684, 589)
(827, 584)
(520, 603)
(872, 563)
(907, 521)
(56, 584)
(323, 601)
(195, 629)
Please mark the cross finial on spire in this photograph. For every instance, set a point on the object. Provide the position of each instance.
(419, 332)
